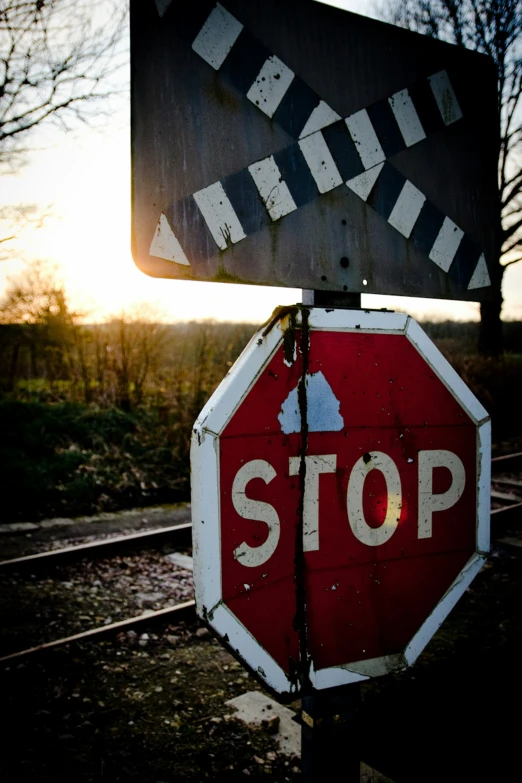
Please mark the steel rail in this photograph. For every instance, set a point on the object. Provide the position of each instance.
(187, 608)
(506, 461)
(106, 546)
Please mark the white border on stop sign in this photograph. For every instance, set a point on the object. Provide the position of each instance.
(205, 480)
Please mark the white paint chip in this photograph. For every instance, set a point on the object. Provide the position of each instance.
(480, 277)
(274, 192)
(407, 118)
(165, 245)
(365, 139)
(320, 118)
(446, 245)
(445, 97)
(322, 408)
(362, 184)
(217, 37)
(162, 6)
(320, 162)
(222, 221)
(407, 209)
(270, 86)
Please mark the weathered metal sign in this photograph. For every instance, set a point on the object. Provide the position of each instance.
(293, 144)
(340, 497)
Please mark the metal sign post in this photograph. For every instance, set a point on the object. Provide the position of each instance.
(330, 735)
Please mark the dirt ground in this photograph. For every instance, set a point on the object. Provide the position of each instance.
(150, 705)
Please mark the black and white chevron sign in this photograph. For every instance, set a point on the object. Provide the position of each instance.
(330, 152)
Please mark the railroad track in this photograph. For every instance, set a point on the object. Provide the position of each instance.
(506, 509)
(506, 488)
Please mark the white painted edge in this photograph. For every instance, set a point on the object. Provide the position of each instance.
(443, 608)
(333, 676)
(270, 85)
(357, 320)
(242, 375)
(206, 516)
(445, 372)
(205, 510)
(484, 487)
(217, 36)
(249, 649)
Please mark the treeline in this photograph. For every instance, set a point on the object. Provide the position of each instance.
(97, 417)
(127, 362)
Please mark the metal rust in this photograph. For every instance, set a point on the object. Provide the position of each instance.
(303, 666)
(279, 313)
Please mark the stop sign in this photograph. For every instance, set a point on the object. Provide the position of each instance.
(340, 493)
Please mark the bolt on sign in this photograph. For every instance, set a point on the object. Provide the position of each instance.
(289, 143)
(340, 497)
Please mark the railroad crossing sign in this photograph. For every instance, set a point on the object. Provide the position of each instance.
(340, 491)
(293, 144)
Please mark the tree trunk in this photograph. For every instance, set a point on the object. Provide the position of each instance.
(491, 337)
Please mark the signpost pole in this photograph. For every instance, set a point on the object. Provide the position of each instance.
(330, 717)
(346, 301)
(330, 735)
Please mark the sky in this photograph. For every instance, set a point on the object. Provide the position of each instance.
(83, 178)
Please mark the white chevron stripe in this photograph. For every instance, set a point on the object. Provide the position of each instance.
(320, 162)
(272, 189)
(219, 214)
(270, 86)
(362, 184)
(407, 118)
(445, 97)
(217, 36)
(446, 244)
(165, 244)
(365, 139)
(480, 277)
(320, 118)
(407, 209)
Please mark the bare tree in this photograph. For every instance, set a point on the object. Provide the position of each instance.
(136, 345)
(493, 27)
(41, 323)
(58, 62)
(15, 220)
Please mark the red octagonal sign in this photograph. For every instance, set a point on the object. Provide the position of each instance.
(340, 491)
